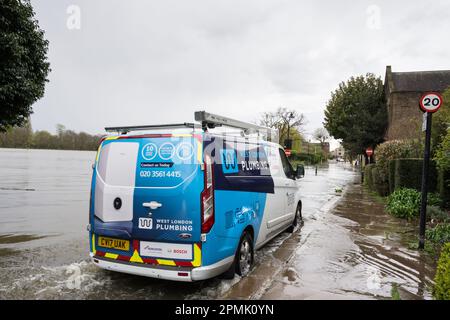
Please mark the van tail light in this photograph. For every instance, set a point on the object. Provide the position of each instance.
(207, 196)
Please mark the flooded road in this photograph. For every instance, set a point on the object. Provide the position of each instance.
(347, 248)
(354, 251)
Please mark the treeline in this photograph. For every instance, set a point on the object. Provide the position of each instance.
(24, 137)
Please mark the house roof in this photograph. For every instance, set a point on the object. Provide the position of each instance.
(420, 81)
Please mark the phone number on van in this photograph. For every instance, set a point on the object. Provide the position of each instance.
(160, 174)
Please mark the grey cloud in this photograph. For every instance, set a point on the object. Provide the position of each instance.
(158, 61)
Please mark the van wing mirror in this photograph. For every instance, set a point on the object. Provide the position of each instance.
(300, 172)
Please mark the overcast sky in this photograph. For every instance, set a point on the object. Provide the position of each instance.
(146, 62)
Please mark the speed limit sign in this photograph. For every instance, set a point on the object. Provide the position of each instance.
(431, 102)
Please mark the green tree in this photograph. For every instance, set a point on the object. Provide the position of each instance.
(44, 140)
(441, 123)
(23, 62)
(17, 137)
(357, 113)
(442, 157)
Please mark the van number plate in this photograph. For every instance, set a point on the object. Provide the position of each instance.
(145, 223)
(117, 244)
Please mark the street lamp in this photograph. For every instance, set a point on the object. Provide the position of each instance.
(288, 143)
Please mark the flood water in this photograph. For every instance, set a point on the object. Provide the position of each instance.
(354, 250)
(44, 197)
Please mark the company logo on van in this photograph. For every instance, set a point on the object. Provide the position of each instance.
(229, 161)
(145, 223)
(149, 151)
(185, 235)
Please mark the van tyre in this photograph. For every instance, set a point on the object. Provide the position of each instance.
(229, 274)
(298, 220)
(244, 255)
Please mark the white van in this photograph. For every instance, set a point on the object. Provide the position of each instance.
(183, 202)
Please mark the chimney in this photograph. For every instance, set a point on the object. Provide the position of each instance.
(388, 69)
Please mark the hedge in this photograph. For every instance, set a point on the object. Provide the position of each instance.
(375, 180)
(441, 289)
(379, 181)
(391, 176)
(408, 174)
(443, 187)
(306, 157)
(368, 181)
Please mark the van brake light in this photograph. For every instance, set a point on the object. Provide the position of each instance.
(207, 196)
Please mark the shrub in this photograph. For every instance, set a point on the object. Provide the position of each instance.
(436, 213)
(442, 157)
(441, 289)
(397, 149)
(405, 203)
(440, 234)
(443, 186)
(391, 150)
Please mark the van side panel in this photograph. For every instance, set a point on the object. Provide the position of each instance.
(234, 212)
(242, 181)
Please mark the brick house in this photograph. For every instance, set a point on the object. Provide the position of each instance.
(403, 91)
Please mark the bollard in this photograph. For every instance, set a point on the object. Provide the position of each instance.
(316, 170)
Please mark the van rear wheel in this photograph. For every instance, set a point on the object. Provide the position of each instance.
(244, 255)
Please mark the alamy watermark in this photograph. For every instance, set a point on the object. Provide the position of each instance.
(373, 21)
(73, 21)
(75, 278)
(374, 278)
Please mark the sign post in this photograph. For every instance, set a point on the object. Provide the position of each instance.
(288, 152)
(369, 152)
(429, 103)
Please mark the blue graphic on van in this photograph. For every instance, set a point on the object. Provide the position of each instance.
(229, 161)
(253, 172)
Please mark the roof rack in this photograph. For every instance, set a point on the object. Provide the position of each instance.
(125, 130)
(210, 120)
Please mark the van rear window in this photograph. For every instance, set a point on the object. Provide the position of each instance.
(117, 163)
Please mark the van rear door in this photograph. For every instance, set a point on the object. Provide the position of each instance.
(151, 187)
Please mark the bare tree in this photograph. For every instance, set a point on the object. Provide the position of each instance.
(321, 135)
(284, 119)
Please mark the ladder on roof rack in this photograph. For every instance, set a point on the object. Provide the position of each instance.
(210, 120)
(125, 130)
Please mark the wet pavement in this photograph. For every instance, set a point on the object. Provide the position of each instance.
(350, 251)
(348, 248)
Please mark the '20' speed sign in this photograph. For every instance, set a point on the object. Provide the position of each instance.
(430, 102)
